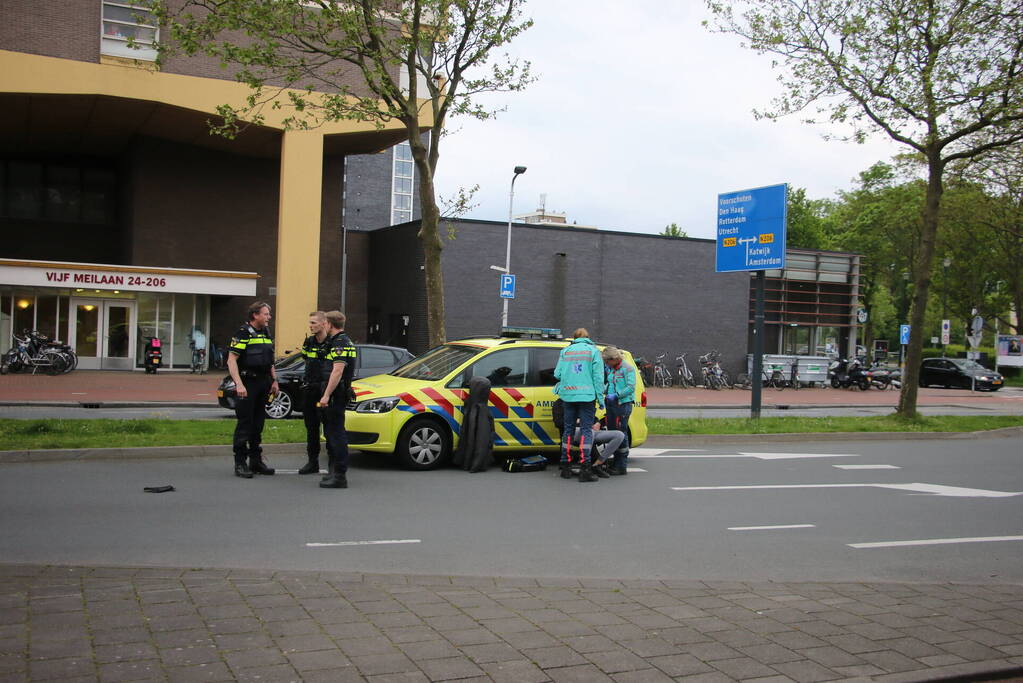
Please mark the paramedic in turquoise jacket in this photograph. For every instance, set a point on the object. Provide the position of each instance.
(580, 375)
(621, 394)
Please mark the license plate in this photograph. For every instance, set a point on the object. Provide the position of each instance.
(220, 393)
(997, 381)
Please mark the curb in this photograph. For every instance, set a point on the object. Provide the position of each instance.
(655, 440)
(110, 404)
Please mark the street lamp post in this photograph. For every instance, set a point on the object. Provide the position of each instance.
(519, 170)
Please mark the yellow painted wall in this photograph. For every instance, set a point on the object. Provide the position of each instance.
(298, 233)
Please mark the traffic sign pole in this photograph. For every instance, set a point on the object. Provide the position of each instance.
(751, 230)
(756, 371)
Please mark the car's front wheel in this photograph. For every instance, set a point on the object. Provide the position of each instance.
(423, 445)
(281, 407)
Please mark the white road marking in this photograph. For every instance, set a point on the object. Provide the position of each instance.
(936, 541)
(760, 456)
(78, 393)
(867, 467)
(777, 526)
(936, 489)
(343, 543)
(280, 471)
(790, 456)
(656, 452)
(635, 469)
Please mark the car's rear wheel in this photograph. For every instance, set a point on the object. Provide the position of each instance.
(423, 444)
(281, 407)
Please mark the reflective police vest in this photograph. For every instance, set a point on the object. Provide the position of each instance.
(255, 349)
(339, 348)
(315, 353)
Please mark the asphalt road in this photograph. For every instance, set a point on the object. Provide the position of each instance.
(216, 413)
(669, 518)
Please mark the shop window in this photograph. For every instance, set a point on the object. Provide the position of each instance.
(46, 316)
(6, 340)
(184, 305)
(128, 31)
(796, 341)
(24, 312)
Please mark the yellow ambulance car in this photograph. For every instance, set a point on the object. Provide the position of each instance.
(415, 411)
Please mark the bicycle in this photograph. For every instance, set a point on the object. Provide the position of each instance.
(794, 380)
(662, 376)
(773, 379)
(646, 370)
(714, 376)
(684, 374)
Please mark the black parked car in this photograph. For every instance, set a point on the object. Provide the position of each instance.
(958, 372)
(372, 359)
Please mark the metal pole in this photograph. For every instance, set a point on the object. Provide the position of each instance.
(519, 170)
(756, 379)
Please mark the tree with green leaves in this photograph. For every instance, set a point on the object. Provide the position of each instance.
(943, 77)
(673, 231)
(997, 224)
(408, 59)
(805, 220)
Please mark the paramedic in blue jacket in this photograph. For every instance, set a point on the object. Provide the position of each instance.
(580, 375)
(621, 394)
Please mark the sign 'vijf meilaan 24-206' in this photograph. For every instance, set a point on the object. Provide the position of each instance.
(751, 229)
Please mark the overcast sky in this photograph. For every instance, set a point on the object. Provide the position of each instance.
(640, 118)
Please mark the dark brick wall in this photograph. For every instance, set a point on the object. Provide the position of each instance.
(396, 287)
(69, 29)
(647, 293)
(358, 286)
(368, 181)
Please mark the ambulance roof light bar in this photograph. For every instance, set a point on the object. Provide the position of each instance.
(517, 332)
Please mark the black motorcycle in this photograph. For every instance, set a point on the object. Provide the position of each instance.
(847, 373)
(154, 354)
(884, 378)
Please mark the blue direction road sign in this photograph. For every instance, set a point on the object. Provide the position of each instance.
(751, 229)
(507, 286)
(904, 334)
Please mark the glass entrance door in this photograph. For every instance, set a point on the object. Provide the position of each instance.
(101, 331)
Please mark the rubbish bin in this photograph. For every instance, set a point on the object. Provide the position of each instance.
(813, 369)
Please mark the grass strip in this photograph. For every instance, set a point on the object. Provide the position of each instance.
(824, 425)
(17, 435)
(43, 434)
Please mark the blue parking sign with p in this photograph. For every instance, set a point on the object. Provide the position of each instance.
(904, 334)
(507, 286)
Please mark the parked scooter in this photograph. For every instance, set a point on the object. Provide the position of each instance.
(154, 354)
(848, 373)
(885, 378)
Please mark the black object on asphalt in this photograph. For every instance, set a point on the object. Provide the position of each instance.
(158, 489)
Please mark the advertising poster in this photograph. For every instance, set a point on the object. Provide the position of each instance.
(1010, 349)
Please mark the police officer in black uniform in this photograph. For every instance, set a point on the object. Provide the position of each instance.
(315, 350)
(250, 362)
(338, 370)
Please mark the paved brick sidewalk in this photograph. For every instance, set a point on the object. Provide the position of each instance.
(120, 624)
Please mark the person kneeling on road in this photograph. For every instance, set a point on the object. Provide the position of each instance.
(611, 440)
